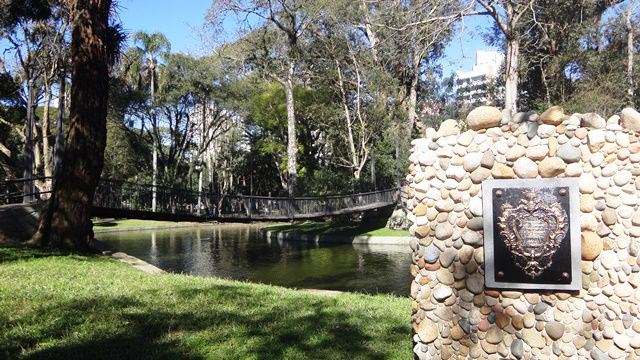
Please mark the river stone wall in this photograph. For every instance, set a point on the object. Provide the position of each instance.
(454, 315)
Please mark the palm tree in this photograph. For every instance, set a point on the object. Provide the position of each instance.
(149, 50)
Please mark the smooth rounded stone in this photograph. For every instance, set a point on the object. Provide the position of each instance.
(630, 119)
(480, 174)
(551, 167)
(573, 170)
(587, 183)
(515, 152)
(447, 257)
(456, 172)
(502, 171)
(625, 212)
(592, 120)
(609, 216)
(529, 320)
(623, 154)
(622, 177)
(596, 140)
(621, 341)
(592, 245)
(444, 205)
(475, 206)
(466, 138)
(444, 231)
(622, 139)
(448, 127)
(525, 168)
(533, 338)
(488, 159)
(596, 159)
(472, 238)
(475, 283)
(441, 293)
(427, 158)
(623, 290)
(587, 203)
(444, 276)
(494, 335)
(553, 115)
(540, 307)
(545, 130)
(465, 254)
(537, 152)
(495, 132)
(532, 130)
(477, 223)
(501, 147)
(472, 161)
(427, 331)
(431, 254)
(484, 117)
(517, 348)
(568, 153)
(609, 170)
(597, 354)
(614, 120)
(554, 329)
(613, 202)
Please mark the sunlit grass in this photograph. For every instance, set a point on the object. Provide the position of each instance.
(76, 307)
(124, 223)
(326, 228)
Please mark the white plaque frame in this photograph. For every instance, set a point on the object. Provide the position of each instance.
(574, 227)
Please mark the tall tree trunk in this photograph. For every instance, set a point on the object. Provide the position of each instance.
(28, 187)
(412, 104)
(347, 117)
(630, 83)
(511, 82)
(154, 190)
(46, 151)
(292, 142)
(66, 222)
(59, 147)
(373, 167)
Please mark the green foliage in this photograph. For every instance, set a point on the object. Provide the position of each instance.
(125, 156)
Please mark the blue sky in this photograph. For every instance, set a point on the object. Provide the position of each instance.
(180, 20)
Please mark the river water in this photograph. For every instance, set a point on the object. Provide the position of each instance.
(239, 252)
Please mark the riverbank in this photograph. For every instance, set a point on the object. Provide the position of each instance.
(325, 232)
(69, 306)
(115, 225)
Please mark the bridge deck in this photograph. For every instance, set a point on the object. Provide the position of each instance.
(123, 199)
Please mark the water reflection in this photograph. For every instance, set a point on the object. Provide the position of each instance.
(238, 252)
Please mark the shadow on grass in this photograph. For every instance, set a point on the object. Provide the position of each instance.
(17, 252)
(105, 224)
(145, 327)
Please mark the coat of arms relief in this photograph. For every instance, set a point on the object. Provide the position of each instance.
(533, 231)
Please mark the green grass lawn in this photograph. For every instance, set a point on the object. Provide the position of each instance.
(326, 228)
(60, 306)
(123, 223)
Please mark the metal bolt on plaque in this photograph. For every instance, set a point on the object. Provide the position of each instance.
(532, 234)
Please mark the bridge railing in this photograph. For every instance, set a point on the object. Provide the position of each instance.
(284, 207)
(124, 195)
(12, 191)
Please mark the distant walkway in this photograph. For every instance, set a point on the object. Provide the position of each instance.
(122, 199)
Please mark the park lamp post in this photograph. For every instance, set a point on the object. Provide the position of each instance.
(198, 168)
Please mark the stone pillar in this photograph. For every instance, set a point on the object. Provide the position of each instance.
(453, 314)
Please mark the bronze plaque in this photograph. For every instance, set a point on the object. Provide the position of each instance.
(532, 238)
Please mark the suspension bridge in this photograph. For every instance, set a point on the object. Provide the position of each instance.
(124, 199)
